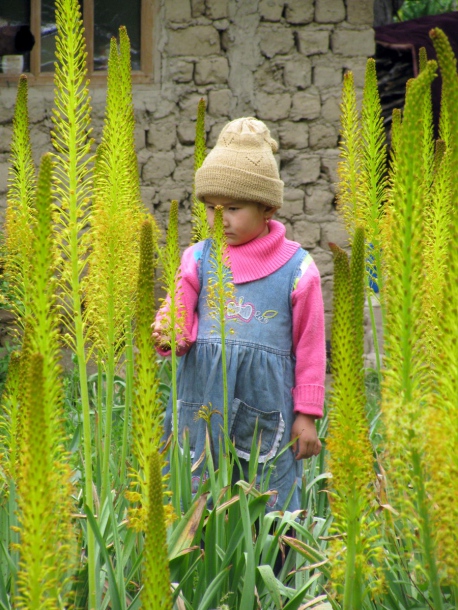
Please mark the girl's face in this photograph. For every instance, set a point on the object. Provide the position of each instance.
(242, 220)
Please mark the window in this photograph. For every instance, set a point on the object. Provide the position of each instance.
(101, 18)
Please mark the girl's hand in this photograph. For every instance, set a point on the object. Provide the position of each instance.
(303, 432)
(163, 339)
(160, 337)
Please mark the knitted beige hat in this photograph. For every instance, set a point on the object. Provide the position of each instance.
(242, 165)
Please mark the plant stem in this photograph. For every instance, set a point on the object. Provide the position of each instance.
(81, 356)
(175, 461)
(375, 337)
(99, 407)
(352, 587)
(224, 366)
(128, 395)
(109, 398)
(173, 341)
(426, 533)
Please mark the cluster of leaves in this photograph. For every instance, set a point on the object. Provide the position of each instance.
(411, 9)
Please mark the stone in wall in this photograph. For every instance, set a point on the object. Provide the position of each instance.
(6, 132)
(194, 40)
(181, 71)
(293, 205)
(329, 11)
(334, 232)
(178, 11)
(197, 8)
(158, 167)
(217, 9)
(297, 72)
(273, 107)
(293, 135)
(220, 102)
(300, 168)
(3, 173)
(360, 12)
(306, 104)
(306, 233)
(323, 135)
(271, 10)
(312, 40)
(162, 134)
(211, 70)
(275, 40)
(329, 166)
(327, 72)
(352, 42)
(318, 203)
(330, 109)
(324, 261)
(270, 76)
(188, 104)
(186, 132)
(299, 11)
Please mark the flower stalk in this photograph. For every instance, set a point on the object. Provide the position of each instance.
(172, 314)
(73, 185)
(19, 213)
(147, 429)
(200, 227)
(156, 593)
(220, 291)
(350, 452)
(113, 262)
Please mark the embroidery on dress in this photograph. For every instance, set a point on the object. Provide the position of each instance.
(239, 310)
(244, 312)
(266, 316)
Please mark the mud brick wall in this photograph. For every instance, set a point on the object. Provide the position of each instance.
(281, 61)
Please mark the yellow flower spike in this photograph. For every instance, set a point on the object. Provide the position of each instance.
(44, 507)
(19, 212)
(372, 188)
(405, 401)
(350, 452)
(41, 417)
(156, 593)
(449, 103)
(350, 160)
(72, 188)
(147, 430)
(440, 425)
(11, 420)
(116, 218)
(437, 237)
(200, 227)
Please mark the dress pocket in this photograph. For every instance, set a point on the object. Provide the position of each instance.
(269, 425)
(187, 412)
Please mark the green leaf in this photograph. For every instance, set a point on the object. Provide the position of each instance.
(271, 583)
(183, 535)
(115, 596)
(207, 599)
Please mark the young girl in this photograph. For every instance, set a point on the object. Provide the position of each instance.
(276, 348)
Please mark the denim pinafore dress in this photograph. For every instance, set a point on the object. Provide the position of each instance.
(260, 372)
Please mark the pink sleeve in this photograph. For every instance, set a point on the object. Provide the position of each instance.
(189, 288)
(309, 343)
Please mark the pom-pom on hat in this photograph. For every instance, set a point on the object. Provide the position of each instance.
(242, 165)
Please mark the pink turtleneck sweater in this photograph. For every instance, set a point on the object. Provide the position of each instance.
(255, 260)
